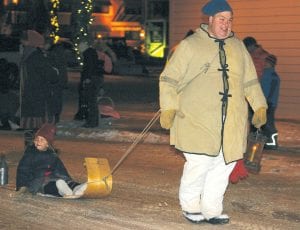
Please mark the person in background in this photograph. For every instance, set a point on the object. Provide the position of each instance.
(106, 54)
(204, 89)
(36, 74)
(57, 58)
(91, 81)
(257, 53)
(270, 83)
(40, 170)
(9, 99)
(101, 45)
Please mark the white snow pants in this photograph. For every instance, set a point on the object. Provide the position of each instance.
(203, 184)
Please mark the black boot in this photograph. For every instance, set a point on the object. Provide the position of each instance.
(82, 105)
(81, 114)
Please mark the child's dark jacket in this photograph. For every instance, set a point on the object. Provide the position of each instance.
(37, 168)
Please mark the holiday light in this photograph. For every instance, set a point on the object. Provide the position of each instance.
(84, 20)
(54, 20)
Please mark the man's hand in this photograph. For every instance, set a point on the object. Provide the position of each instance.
(167, 118)
(259, 117)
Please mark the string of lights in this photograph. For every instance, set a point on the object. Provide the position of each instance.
(84, 20)
(54, 20)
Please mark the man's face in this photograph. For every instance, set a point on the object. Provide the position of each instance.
(220, 25)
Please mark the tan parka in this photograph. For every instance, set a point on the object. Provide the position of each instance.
(191, 83)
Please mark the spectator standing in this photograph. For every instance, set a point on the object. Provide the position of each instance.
(57, 59)
(36, 74)
(257, 53)
(91, 81)
(9, 100)
(106, 54)
(103, 47)
(203, 92)
(270, 83)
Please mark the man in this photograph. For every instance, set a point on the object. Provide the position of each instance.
(91, 81)
(203, 92)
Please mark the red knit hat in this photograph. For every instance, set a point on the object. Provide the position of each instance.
(47, 131)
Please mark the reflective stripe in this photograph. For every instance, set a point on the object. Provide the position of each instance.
(251, 83)
(169, 80)
(273, 140)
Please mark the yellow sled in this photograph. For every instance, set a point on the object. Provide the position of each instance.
(99, 182)
(99, 175)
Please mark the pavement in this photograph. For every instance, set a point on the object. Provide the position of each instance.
(260, 202)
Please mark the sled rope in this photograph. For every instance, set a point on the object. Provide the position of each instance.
(135, 142)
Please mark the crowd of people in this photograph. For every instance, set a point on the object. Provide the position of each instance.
(35, 86)
(31, 97)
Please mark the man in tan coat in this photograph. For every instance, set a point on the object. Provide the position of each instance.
(204, 90)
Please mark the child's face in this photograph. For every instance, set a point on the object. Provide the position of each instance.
(41, 143)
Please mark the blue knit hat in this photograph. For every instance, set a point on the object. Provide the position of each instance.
(216, 6)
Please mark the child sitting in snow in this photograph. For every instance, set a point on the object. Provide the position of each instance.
(41, 171)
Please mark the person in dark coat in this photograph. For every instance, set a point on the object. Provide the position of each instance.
(41, 170)
(36, 74)
(270, 84)
(9, 100)
(56, 56)
(258, 55)
(90, 82)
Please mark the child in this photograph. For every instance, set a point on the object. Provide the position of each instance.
(41, 171)
(270, 83)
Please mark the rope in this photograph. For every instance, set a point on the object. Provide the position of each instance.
(136, 141)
